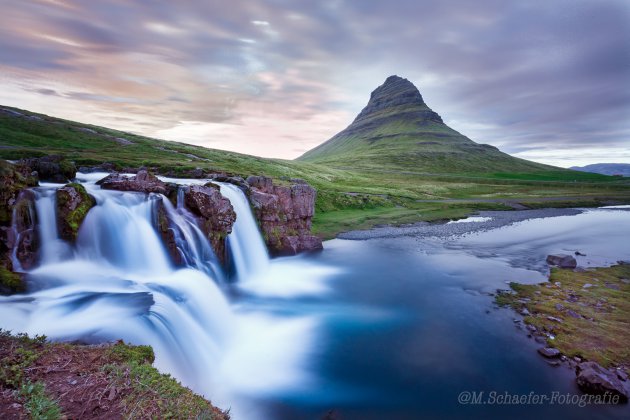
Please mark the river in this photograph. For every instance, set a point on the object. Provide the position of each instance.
(396, 326)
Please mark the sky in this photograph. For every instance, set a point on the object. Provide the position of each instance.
(542, 80)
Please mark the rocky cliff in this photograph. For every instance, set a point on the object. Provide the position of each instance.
(284, 214)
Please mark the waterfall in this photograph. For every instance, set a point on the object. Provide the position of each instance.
(53, 248)
(245, 242)
(118, 282)
(192, 244)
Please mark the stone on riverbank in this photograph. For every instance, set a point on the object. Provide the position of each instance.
(594, 379)
(562, 260)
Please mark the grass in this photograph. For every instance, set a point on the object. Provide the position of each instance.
(356, 188)
(38, 403)
(10, 282)
(116, 381)
(591, 322)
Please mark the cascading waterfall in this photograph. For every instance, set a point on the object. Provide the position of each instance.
(118, 282)
(245, 242)
(194, 248)
(52, 247)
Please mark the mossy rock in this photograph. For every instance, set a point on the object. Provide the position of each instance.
(73, 204)
(13, 181)
(10, 282)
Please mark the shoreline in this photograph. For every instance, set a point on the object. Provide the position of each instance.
(577, 319)
(447, 229)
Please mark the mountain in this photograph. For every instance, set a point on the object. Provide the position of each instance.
(622, 169)
(397, 130)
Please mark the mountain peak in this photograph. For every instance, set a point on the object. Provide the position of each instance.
(396, 94)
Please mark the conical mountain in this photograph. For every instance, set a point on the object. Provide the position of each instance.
(397, 130)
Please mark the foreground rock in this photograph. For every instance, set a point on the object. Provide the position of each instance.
(594, 379)
(215, 215)
(284, 214)
(73, 204)
(52, 168)
(562, 261)
(143, 181)
(44, 380)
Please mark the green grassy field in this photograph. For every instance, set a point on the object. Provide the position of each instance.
(349, 196)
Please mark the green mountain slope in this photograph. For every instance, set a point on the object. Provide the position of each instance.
(397, 130)
(350, 195)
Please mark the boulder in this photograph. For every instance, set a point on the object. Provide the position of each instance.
(549, 352)
(284, 214)
(143, 181)
(52, 168)
(562, 260)
(594, 379)
(73, 204)
(215, 215)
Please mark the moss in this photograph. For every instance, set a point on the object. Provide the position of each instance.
(159, 395)
(132, 354)
(14, 365)
(68, 169)
(591, 322)
(72, 220)
(37, 402)
(10, 282)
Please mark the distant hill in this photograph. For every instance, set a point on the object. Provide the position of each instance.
(398, 130)
(622, 169)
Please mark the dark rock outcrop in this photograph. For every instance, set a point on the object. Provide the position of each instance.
(143, 181)
(23, 238)
(284, 214)
(73, 204)
(165, 229)
(396, 92)
(594, 379)
(15, 179)
(52, 168)
(214, 212)
(562, 260)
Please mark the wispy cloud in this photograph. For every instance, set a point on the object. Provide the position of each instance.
(541, 79)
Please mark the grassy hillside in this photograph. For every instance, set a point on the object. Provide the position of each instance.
(398, 131)
(348, 197)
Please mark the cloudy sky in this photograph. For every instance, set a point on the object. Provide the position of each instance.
(544, 80)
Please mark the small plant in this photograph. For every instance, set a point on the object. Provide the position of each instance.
(38, 404)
